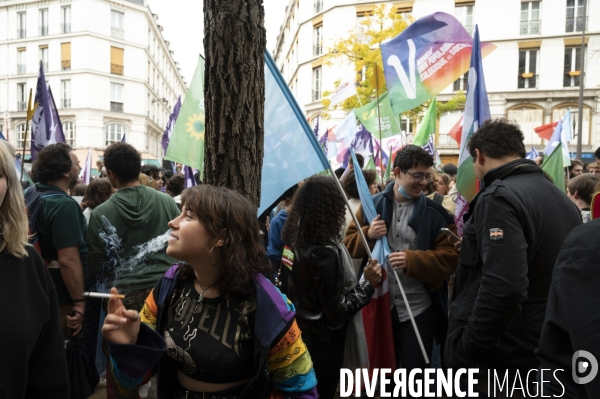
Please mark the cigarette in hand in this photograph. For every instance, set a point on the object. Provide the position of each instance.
(101, 295)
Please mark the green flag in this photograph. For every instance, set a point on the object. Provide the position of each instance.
(427, 127)
(553, 166)
(187, 141)
(368, 116)
(388, 168)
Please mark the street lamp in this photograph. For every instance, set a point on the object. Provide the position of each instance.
(164, 100)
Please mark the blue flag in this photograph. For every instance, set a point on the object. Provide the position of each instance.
(189, 179)
(170, 125)
(46, 127)
(2, 137)
(561, 136)
(532, 155)
(477, 111)
(123, 139)
(382, 249)
(291, 150)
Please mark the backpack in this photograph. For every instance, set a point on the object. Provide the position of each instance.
(33, 202)
(437, 197)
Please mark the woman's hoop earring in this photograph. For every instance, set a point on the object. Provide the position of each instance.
(209, 256)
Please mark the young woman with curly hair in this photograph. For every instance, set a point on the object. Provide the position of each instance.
(215, 325)
(326, 295)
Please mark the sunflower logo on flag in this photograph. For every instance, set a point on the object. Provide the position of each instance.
(195, 126)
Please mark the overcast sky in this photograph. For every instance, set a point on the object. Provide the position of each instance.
(183, 23)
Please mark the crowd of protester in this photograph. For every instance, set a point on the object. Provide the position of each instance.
(227, 306)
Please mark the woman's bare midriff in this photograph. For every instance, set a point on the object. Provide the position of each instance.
(199, 386)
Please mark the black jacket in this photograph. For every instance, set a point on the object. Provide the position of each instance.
(324, 303)
(511, 237)
(32, 354)
(572, 322)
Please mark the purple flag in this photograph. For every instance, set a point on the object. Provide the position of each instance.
(2, 137)
(123, 138)
(362, 144)
(46, 127)
(430, 147)
(188, 172)
(86, 172)
(170, 125)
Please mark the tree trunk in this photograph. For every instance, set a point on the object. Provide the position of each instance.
(234, 42)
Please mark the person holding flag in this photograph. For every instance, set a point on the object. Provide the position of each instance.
(423, 256)
(512, 234)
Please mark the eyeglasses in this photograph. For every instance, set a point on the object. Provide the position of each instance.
(419, 176)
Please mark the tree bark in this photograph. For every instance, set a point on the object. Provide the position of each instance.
(234, 43)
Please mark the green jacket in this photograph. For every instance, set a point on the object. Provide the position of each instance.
(138, 215)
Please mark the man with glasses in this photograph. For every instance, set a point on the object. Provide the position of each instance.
(512, 234)
(423, 256)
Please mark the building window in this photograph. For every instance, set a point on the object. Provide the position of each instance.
(114, 133)
(65, 50)
(116, 24)
(464, 14)
(528, 118)
(317, 78)
(21, 137)
(528, 69)
(69, 131)
(461, 83)
(21, 97)
(447, 121)
(572, 66)
(405, 13)
(530, 18)
(44, 22)
(362, 26)
(116, 97)
(116, 60)
(44, 56)
(21, 25)
(66, 93)
(318, 6)
(21, 61)
(574, 22)
(318, 40)
(65, 25)
(407, 127)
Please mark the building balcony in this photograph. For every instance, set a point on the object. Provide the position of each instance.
(65, 65)
(575, 24)
(531, 27)
(317, 50)
(527, 81)
(316, 95)
(43, 31)
(65, 28)
(21, 33)
(117, 33)
(116, 69)
(21, 69)
(66, 103)
(21, 106)
(116, 107)
(318, 6)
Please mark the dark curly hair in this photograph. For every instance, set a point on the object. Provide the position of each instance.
(226, 213)
(412, 156)
(497, 138)
(124, 161)
(97, 192)
(349, 183)
(150, 171)
(317, 215)
(53, 162)
(176, 184)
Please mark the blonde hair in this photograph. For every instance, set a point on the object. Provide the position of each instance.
(13, 215)
(145, 180)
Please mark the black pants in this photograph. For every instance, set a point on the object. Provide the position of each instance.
(327, 360)
(408, 351)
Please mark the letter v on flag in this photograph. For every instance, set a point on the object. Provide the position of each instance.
(286, 132)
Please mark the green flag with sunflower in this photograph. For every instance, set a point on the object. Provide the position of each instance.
(187, 141)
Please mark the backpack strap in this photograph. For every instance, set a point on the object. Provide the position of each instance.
(439, 198)
(33, 200)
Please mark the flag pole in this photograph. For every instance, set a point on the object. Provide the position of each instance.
(30, 113)
(378, 116)
(370, 256)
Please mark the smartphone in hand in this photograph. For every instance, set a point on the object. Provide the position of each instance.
(450, 234)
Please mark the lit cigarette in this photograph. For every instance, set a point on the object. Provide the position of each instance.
(101, 295)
